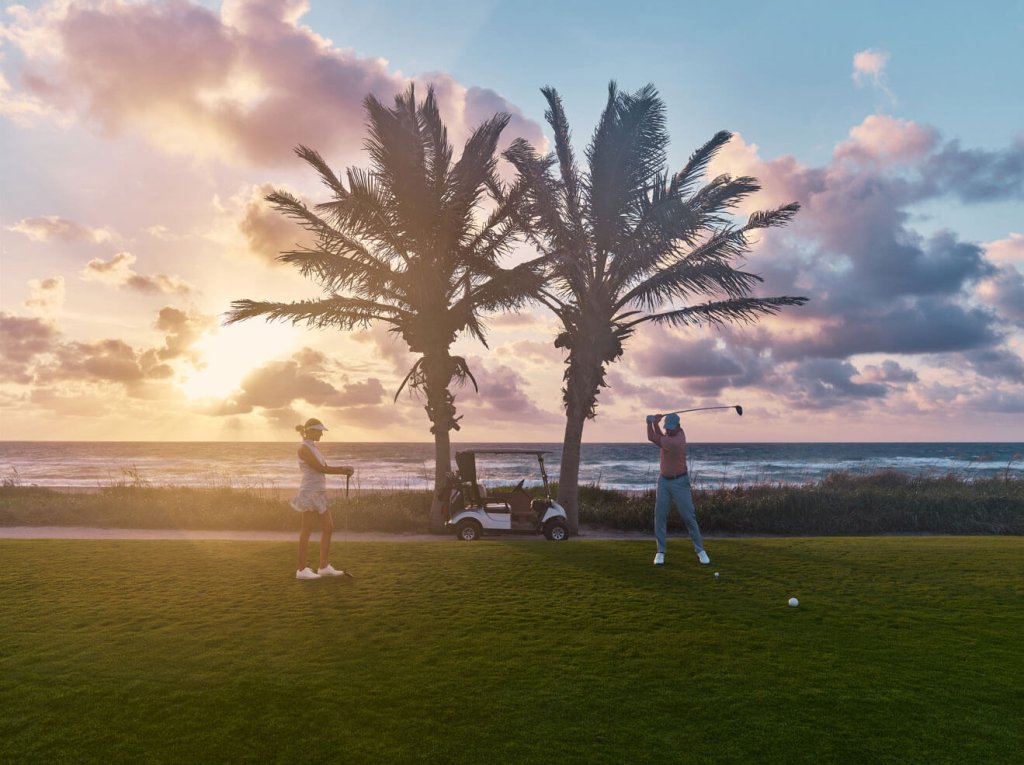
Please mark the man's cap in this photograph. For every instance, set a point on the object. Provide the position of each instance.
(671, 421)
(313, 424)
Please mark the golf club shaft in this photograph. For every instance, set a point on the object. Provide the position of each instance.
(701, 409)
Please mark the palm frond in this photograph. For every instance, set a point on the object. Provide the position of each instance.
(686, 179)
(439, 150)
(327, 175)
(780, 216)
(743, 310)
(625, 156)
(555, 116)
(506, 290)
(335, 272)
(335, 311)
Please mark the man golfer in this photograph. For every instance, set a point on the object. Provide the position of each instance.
(673, 484)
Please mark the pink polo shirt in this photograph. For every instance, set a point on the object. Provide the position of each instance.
(673, 454)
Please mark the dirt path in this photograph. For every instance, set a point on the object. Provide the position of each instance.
(85, 532)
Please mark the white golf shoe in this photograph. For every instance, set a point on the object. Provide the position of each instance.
(329, 570)
(307, 573)
(703, 557)
(659, 559)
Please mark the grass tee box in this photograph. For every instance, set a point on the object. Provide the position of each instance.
(901, 651)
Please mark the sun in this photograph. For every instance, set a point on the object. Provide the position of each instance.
(228, 354)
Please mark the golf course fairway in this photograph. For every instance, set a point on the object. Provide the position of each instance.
(902, 650)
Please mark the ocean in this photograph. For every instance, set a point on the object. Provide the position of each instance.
(625, 466)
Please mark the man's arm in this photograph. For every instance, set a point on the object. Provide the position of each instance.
(654, 429)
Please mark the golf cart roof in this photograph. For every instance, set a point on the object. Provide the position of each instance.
(505, 451)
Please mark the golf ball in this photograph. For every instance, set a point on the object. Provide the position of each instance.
(794, 602)
(716, 575)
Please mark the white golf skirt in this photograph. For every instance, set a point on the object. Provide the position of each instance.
(310, 501)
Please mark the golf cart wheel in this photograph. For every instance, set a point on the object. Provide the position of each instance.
(468, 531)
(556, 531)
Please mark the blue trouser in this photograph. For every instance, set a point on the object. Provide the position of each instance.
(675, 490)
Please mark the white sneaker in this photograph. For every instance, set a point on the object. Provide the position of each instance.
(329, 570)
(703, 557)
(659, 559)
(307, 573)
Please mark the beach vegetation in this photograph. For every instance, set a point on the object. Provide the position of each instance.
(408, 244)
(885, 502)
(628, 243)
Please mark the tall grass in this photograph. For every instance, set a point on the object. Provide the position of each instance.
(886, 502)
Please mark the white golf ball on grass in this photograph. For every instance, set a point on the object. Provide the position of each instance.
(794, 602)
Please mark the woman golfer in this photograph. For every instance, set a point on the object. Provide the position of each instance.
(673, 484)
(312, 499)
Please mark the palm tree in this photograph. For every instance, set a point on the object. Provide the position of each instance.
(628, 243)
(406, 244)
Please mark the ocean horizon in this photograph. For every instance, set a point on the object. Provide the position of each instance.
(628, 466)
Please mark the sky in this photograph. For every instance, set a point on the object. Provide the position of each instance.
(140, 138)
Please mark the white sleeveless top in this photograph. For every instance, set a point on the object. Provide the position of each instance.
(311, 479)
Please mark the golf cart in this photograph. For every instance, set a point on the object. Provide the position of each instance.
(474, 511)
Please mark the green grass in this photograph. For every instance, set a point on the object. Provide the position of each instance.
(902, 651)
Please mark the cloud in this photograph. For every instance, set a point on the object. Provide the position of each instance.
(542, 352)
(890, 371)
(245, 85)
(1004, 291)
(387, 346)
(21, 341)
(1009, 250)
(977, 175)
(35, 352)
(266, 231)
(48, 228)
(181, 330)
(108, 360)
(824, 383)
(997, 363)
(278, 384)
(117, 272)
(877, 286)
(700, 358)
(47, 296)
(886, 140)
(502, 398)
(869, 69)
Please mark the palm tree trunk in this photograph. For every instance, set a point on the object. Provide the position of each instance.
(437, 375)
(569, 473)
(442, 465)
(582, 384)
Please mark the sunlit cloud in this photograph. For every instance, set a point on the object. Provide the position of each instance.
(869, 70)
(53, 227)
(117, 272)
(1009, 250)
(224, 356)
(883, 139)
(245, 85)
(47, 296)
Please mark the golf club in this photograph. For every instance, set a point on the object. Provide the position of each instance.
(737, 407)
(347, 477)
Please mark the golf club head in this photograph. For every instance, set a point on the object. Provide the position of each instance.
(739, 410)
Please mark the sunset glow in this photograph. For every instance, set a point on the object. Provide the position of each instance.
(141, 139)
